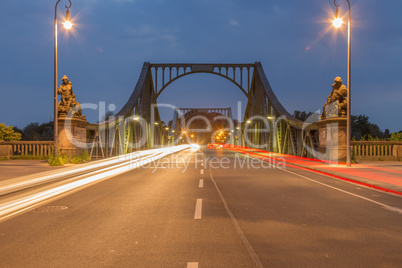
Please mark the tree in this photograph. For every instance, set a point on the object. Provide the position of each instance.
(387, 134)
(31, 132)
(361, 127)
(46, 131)
(397, 136)
(8, 134)
(36, 132)
(304, 116)
(106, 116)
(17, 129)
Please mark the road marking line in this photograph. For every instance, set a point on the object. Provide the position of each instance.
(198, 209)
(250, 249)
(385, 206)
(202, 172)
(202, 164)
(394, 209)
(192, 265)
(201, 184)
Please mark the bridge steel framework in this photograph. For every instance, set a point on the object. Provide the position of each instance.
(267, 124)
(210, 116)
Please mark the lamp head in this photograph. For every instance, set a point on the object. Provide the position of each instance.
(67, 23)
(337, 22)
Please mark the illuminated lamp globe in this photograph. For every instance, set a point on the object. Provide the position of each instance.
(337, 22)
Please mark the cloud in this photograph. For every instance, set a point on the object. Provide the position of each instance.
(278, 10)
(233, 22)
(147, 34)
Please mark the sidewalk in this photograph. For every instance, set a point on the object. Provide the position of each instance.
(10, 169)
(381, 175)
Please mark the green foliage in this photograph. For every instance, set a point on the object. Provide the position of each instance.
(397, 136)
(353, 157)
(29, 157)
(302, 116)
(80, 159)
(17, 129)
(106, 116)
(61, 160)
(8, 133)
(361, 127)
(30, 132)
(36, 132)
(368, 137)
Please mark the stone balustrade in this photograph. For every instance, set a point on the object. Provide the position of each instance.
(34, 148)
(377, 150)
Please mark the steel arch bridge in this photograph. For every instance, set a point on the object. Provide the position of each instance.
(267, 124)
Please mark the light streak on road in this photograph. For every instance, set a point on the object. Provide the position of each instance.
(194, 147)
(97, 171)
(19, 183)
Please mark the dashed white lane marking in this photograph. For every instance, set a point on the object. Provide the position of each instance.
(192, 265)
(198, 209)
(202, 164)
(250, 249)
(201, 184)
(202, 172)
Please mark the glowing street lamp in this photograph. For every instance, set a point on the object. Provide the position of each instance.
(67, 24)
(337, 22)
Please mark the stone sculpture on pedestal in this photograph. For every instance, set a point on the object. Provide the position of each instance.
(332, 124)
(337, 101)
(72, 124)
(68, 102)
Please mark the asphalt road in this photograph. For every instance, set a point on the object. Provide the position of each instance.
(232, 211)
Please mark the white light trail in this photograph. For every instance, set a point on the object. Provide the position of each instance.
(104, 171)
(19, 183)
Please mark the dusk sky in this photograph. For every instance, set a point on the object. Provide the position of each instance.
(299, 49)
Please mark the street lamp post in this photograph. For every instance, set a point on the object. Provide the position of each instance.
(67, 24)
(337, 22)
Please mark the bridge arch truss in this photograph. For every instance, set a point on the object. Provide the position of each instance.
(278, 131)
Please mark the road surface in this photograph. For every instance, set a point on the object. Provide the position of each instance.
(213, 208)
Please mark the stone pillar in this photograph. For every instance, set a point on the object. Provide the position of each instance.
(6, 150)
(332, 139)
(72, 134)
(397, 152)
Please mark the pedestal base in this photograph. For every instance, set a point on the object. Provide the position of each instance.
(72, 135)
(332, 139)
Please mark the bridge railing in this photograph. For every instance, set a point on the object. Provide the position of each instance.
(376, 150)
(34, 148)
